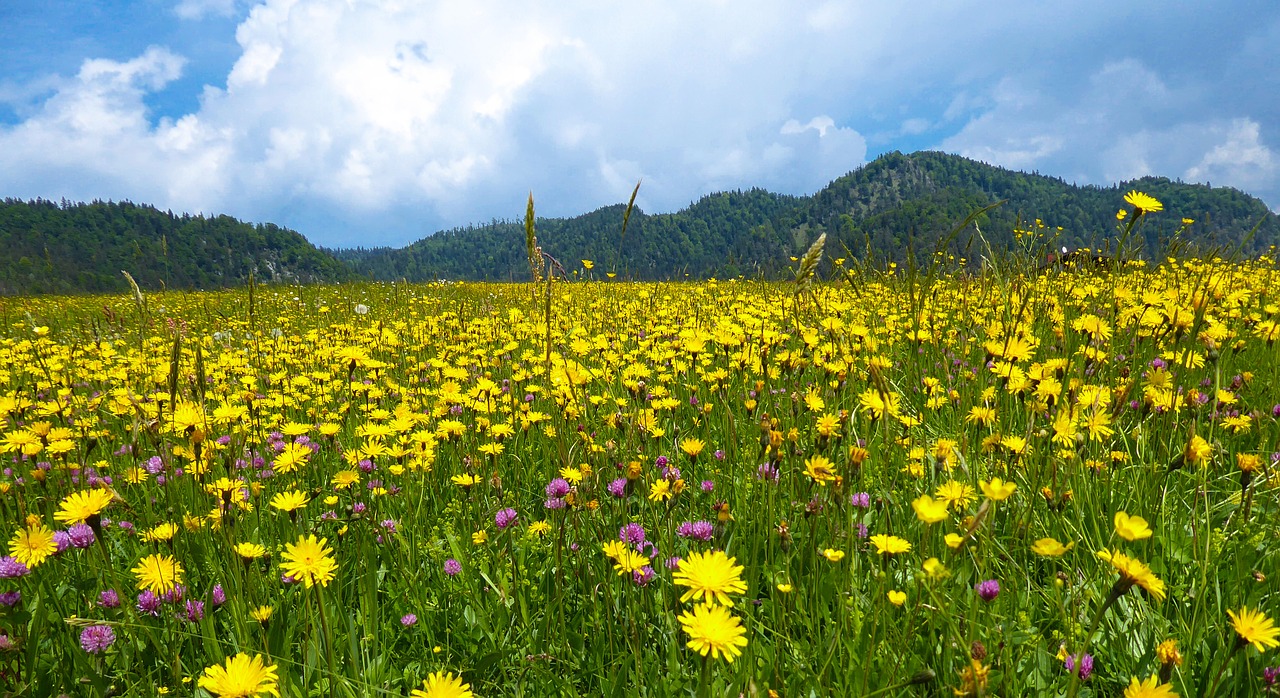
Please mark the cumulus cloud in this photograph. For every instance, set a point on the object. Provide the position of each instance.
(378, 121)
(1126, 121)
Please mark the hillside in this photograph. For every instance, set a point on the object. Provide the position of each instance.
(61, 247)
(891, 207)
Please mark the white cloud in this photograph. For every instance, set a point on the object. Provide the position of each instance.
(1125, 122)
(1240, 159)
(199, 9)
(403, 116)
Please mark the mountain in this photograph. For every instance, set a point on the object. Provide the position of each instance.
(63, 247)
(893, 208)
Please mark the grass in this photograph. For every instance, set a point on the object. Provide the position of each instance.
(1082, 387)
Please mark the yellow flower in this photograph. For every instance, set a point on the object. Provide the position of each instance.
(954, 540)
(1143, 203)
(309, 561)
(242, 676)
(480, 537)
(160, 534)
(714, 630)
(710, 576)
(466, 480)
(291, 458)
(1049, 547)
(890, 545)
(628, 561)
(443, 684)
(1198, 450)
(1151, 688)
(81, 506)
(290, 501)
(692, 446)
(819, 470)
(1131, 528)
(934, 568)
(159, 573)
(955, 494)
(250, 551)
(785, 588)
(897, 598)
(998, 490)
(262, 614)
(1133, 571)
(1167, 653)
(833, 555)
(660, 491)
(929, 510)
(32, 545)
(1254, 628)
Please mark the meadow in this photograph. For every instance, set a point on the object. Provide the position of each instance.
(1021, 480)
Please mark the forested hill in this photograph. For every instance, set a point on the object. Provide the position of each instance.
(61, 247)
(893, 206)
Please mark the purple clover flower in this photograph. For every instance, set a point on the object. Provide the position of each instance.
(149, 603)
(505, 518)
(10, 568)
(408, 619)
(618, 488)
(698, 530)
(218, 596)
(10, 598)
(1086, 666)
(109, 599)
(632, 533)
(195, 610)
(95, 639)
(81, 535)
(452, 567)
(988, 590)
(557, 488)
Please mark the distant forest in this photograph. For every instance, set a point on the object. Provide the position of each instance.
(895, 208)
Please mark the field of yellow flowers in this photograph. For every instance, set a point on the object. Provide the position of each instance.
(1025, 481)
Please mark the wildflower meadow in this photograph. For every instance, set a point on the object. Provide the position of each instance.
(1000, 479)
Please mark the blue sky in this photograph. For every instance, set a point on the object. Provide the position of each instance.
(376, 122)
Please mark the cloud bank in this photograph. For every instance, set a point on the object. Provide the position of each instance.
(365, 122)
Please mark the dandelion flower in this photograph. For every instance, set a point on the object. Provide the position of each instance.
(890, 545)
(1254, 628)
(290, 501)
(158, 573)
(250, 551)
(81, 506)
(243, 676)
(443, 684)
(31, 545)
(309, 561)
(1143, 203)
(819, 470)
(1151, 688)
(711, 577)
(714, 630)
(1133, 571)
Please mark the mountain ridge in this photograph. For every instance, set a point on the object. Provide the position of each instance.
(890, 209)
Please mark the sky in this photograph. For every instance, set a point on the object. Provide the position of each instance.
(378, 122)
